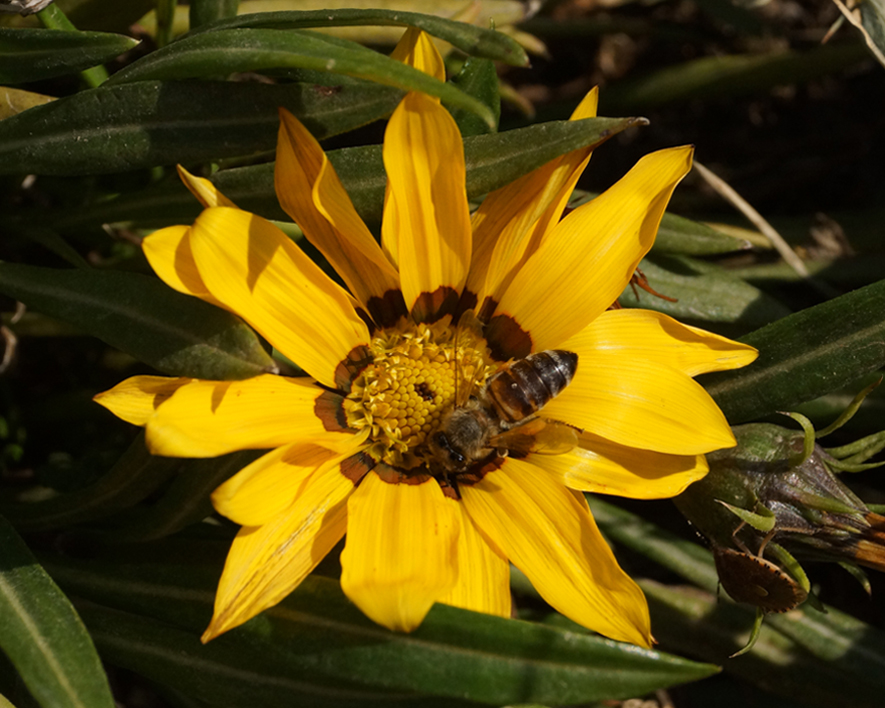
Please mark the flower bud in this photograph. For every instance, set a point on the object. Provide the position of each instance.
(774, 499)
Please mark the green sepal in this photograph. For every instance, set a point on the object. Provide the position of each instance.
(842, 466)
(856, 572)
(754, 634)
(762, 521)
(807, 441)
(850, 410)
(789, 563)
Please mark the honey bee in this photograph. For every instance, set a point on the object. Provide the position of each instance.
(501, 416)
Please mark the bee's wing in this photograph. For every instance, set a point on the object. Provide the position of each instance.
(545, 437)
(467, 334)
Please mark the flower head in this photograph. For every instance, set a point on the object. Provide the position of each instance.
(374, 443)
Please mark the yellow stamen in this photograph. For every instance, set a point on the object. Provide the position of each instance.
(410, 385)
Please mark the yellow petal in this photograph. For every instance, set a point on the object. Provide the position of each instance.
(135, 399)
(424, 159)
(266, 563)
(169, 253)
(548, 533)
(643, 334)
(483, 574)
(209, 418)
(641, 403)
(204, 190)
(390, 229)
(311, 193)
(401, 551)
(256, 271)
(512, 221)
(590, 256)
(602, 466)
(416, 49)
(267, 487)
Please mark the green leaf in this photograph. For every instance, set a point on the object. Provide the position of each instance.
(176, 334)
(318, 639)
(221, 673)
(705, 293)
(35, 54)
(42, 635)
(471, 40)
(227, 51)
(135, 475)
(477, 78)
(682, 236)
(492, 161)
(806, 355)
(119, 128)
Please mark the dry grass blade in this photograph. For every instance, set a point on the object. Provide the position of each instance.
(788, 254)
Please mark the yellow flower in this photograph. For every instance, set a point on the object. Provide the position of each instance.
(356, 447)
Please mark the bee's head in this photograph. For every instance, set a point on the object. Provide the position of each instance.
(446, 452)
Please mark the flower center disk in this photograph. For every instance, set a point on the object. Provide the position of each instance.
(416, 373)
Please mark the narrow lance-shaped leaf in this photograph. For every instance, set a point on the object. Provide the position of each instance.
(492, 161)
(317, 636)
(479, 78)
(471, 40)
(228, 51)
(35, 54)
(42, 634)
(119, 128)
(692, 238)
(176, 334)
(806, 355)
(704, 293)
(227, 676)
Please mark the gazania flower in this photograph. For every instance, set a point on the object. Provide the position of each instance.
(356, 446)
